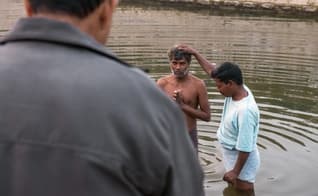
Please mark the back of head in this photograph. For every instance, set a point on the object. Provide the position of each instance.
(228, 71)
(176, 54)
(78, 8)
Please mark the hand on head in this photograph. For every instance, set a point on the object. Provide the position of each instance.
(186, 48)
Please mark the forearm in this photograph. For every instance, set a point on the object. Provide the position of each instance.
(205, 64)
(241, 160)
(196, 113)
(231, 176)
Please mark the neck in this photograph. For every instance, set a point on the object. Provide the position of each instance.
(63, 18)
(240, 93)
(181, 79)
(85, 25)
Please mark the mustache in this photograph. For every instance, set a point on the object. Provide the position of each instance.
(180, 72)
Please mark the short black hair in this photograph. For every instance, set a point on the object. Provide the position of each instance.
(228, 71)
(176, 54)
(78, 8)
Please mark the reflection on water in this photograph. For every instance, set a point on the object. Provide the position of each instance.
(279, 60)
(231, 191)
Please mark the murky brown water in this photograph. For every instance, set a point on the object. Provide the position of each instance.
(279, 58)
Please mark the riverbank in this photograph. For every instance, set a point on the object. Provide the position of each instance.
(281, 8)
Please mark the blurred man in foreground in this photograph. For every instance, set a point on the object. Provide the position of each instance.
(75, 120)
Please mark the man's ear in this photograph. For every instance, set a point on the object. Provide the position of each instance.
(107, 10)
(113, 4)
(233, 83)
(104, 14)
(230, 83)
(28, 9)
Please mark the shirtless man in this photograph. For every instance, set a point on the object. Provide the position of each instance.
(187, 90)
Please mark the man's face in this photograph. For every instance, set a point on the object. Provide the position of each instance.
(224, 89)
(180, 68)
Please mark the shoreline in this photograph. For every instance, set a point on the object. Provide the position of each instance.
(275, 8)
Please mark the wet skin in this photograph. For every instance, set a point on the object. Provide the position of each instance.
(188, 91)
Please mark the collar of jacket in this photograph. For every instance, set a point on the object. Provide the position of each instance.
(47, 30)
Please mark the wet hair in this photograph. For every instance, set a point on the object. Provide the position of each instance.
(228, 71)
(175, 54)
(78, 8)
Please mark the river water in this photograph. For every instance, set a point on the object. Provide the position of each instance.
(279, 59)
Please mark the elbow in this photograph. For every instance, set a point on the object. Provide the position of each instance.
(207, 118)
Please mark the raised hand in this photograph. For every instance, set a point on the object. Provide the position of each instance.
(187, 49)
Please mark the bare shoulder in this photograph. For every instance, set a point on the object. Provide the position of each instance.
(163, 80)
(197, 81)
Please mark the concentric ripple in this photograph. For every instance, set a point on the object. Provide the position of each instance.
(279, 61)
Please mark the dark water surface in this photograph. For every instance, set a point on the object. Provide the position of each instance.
(279, 58)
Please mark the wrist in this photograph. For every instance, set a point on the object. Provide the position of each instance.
(195, 53)
(182, 105)
(236, 171)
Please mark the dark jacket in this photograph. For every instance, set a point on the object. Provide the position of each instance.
(74, 120)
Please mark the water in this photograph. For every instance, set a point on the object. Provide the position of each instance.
(279, 59)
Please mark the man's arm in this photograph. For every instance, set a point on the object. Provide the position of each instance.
(204, 112)
(231, 176)
(161, 83)
(244, 145)
(205, 64)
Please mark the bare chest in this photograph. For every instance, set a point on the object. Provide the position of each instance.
(188, 91)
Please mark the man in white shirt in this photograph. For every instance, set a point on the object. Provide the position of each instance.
(239, 125)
